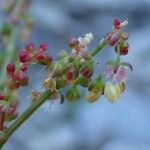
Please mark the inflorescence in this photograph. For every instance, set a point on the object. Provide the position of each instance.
(71, 70)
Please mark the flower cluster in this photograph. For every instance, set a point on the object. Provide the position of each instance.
(74, 70)
(118, 38)
(116, 75)
(17, 77)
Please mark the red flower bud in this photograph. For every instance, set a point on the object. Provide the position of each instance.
(39, 56)
(70, 74)
(117, 24)
(24, 57)
(42, 58)
(29, 47)
(10, 69)
(86, 72)
(124, 50)
(43, 47)
(112, 38)
(87, 69)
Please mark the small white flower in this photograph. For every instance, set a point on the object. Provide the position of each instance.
(124, 24)
(86, 40)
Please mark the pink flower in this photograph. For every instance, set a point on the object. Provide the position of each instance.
(122, 73)
(109, 72)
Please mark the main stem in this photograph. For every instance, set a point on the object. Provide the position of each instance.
(29, 111)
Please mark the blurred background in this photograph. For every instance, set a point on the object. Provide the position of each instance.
(124, 125)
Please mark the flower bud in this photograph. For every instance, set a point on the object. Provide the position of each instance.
(124, 50)
(71, 74)
(29, 47)
(43, 47)
(86, 72)
(123, 47)
(10, 69)
(24, 57)
(42, 58)
(112, 38)
(112, 91)
(73, 94)
(117, 24)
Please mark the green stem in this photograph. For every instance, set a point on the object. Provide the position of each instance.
(29, 111)
(98, 48)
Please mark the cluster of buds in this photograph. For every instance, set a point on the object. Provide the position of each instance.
(118, 38)
(17, 77)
